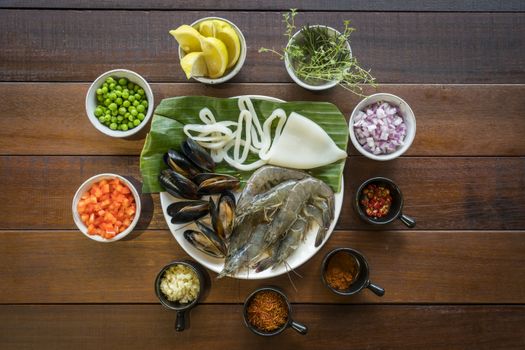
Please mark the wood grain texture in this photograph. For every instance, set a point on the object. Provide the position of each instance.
(447, 116)
(330, 327)
(413, 47)
(441, 193)
(412, 266)
(308, 5)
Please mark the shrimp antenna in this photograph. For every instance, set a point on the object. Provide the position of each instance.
(288, 269)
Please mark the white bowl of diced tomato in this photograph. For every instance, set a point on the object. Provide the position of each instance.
(106, 207)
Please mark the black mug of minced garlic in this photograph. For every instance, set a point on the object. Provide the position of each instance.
(267, 312)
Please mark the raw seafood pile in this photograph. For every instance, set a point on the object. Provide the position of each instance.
(275, 210)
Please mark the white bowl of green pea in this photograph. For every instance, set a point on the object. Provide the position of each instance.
(119, 103)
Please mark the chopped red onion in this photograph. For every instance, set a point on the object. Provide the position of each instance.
(380, 128)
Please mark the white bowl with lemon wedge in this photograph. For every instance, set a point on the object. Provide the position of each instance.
(212, 50)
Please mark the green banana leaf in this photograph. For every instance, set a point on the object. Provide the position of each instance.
(173, 113)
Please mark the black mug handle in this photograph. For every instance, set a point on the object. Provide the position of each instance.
(180, 322)
(299, 327)
(407, 220)
(376, 289)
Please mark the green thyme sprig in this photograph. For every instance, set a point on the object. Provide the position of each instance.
(318, 56)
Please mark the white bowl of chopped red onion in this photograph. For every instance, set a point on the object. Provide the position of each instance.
(382, 126)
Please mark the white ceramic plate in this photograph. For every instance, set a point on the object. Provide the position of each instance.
(303, 253)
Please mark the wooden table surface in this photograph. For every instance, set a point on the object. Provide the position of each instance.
(456, 281)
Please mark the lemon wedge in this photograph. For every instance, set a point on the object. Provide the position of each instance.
(230, 38)
(194, 65)
(210, 28)
(215, 55)
(188, 38)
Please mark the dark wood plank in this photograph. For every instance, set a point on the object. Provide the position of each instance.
(413, 47)
(412, 266)
(447, 116)
(308, 5)
(442, 193)
(221, 327)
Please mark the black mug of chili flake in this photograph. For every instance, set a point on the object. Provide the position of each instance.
(379, 201)
(267, 312)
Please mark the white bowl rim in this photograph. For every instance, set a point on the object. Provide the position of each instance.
(240, 62)
(118, 133)
(411, 134)
(296, 79)
(81, 191)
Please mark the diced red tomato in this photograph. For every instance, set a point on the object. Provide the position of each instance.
(107, 209)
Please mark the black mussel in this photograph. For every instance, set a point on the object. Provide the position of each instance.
(187, 211)
(177, 185)
(197, 179)
(218, 184)
(202, 243)
(223, 215)
(180, 163)
(212, 236)
(198, 155)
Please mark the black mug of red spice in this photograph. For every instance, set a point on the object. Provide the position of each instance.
(269, 307)
(379, 201)
(345, 271)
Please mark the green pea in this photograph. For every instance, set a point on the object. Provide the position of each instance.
(124, 127)
(134, 112)
(102, 119)
(113, 96)
(130, 85)
(104, 89)
(126, 103)
(131, 98)
(125, 94)
(118, 88)
(130, 125)
(113, 119)
(122, 111)
(136, 122)
(141, 116)
(107, 118)
(98, 111)
(123, 81)
(136, 103)
(113, 126)
(138, 97)
(127, 115)
(118, 101)
(144, 103)
(113, 106)
(141, 108)
(114, 113)
(107, 102)
(118, 93)
(131, 118)
(100, 98)
(141, 92)
(112, 86)
(120, 118)
(99, 91)
(136, 88)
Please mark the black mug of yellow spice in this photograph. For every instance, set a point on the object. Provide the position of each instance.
(345, 271)
(379, 201)
(267, 312)
(180, 285)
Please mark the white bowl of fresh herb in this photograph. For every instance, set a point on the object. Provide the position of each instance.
(318, 57)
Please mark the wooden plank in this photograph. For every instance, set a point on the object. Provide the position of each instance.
(221, 327)
(442, 193)
(447, 115)
(304, 5)
(54, 45)
(412, 266)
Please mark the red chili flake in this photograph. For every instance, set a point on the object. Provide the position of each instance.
(376, 200)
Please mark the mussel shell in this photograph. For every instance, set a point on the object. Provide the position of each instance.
(178, 185)
(218, 184)
(187, 211)
(197, 155)
(198, 178)
(202, 243)
(178, 162)
(212, 236)
(223, 215)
